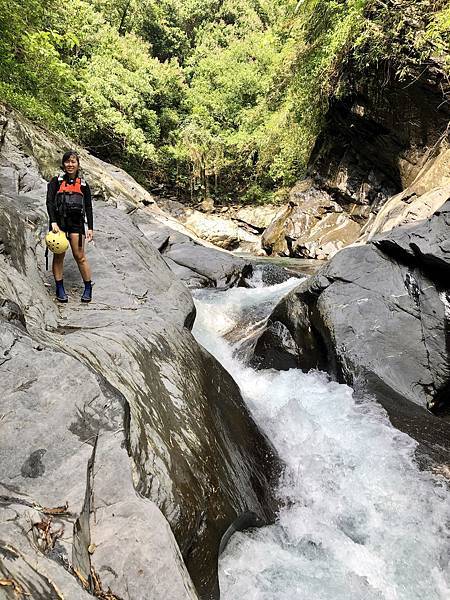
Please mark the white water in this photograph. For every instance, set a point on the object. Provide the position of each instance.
(360, 522)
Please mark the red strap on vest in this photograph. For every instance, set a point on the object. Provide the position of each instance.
(73, 188)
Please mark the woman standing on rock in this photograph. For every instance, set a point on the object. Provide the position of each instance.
(68, 202)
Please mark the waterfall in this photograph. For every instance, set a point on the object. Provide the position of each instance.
(359, 520)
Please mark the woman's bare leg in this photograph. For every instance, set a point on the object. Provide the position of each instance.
(80, 256)
(58, 266)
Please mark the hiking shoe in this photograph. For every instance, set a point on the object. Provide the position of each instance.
(87, 294)
(61, 295)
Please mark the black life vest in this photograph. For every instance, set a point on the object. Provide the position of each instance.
(70, 200)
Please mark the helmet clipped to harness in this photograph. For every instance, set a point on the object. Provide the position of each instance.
(56, 242)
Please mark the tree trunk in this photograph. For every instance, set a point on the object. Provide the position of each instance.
(122, 29)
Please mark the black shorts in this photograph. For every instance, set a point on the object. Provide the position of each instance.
(72, 227)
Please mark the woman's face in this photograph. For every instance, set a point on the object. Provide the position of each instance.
(71, 165)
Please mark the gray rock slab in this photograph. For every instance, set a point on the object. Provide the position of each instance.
(218, 268)
(62, 409)
(426, 243)
(189, 444)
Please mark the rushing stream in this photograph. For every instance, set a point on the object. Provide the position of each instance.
(360, 520)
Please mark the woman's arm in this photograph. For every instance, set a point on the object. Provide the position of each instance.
(89, 213)
(52, 188)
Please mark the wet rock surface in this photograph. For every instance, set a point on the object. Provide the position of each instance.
(123, 416)
(377, 317)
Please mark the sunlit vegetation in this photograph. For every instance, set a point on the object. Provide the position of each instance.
(221, 98)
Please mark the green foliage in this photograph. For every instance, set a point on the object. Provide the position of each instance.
(437, 34)
(402, 36)
(259, 88)
(213, 97)
(32, 75)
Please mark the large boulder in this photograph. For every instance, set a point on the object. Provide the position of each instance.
(376, 317)
(312, 225)
(222, 227)
(257, 217)
(219, 231)
(194, 263)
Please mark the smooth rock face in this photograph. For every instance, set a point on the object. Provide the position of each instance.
(193, 445)
(193, 263)
(173, 434)
(420, 200)
(63, 410)
(377, 317)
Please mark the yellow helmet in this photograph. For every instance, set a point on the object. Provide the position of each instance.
(57, 242)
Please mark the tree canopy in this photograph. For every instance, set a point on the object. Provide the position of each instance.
(211, 97)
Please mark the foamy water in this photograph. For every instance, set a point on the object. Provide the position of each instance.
(360, 521)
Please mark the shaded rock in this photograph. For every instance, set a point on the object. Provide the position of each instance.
(268, 273)
(10, 311)
(374, 145)
(274, 348)
(376, 317)
(273, 240)
(381, 161)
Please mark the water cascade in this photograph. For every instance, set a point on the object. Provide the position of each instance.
(359, 520)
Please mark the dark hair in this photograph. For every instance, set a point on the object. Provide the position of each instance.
(67, 155)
